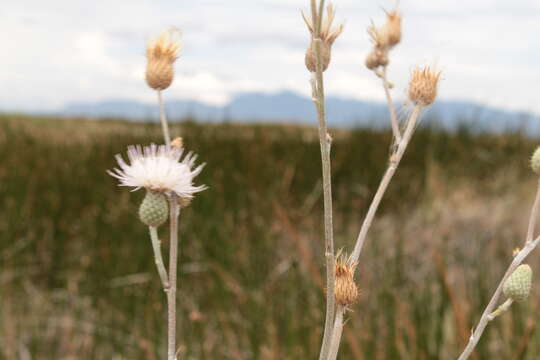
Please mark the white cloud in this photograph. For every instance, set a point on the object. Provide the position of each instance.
(61, 51)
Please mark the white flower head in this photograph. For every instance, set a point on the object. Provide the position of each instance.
(159, 168)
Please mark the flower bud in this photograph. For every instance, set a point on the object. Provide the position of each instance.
(535, 161)
(518, 285)
(154, 209)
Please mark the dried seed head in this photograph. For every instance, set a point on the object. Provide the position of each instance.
(161, 54)
(518, 285)
(178, 143)
(346, 291)
(376, 58)
(326, 54)
(388, 35)
(393, 27)
(535, 161)
(328, 35)
(423, 86)
(154, 209)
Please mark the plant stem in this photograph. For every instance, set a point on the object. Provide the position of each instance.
(173, 260)
(325, 141)
(353, 258)
(534, 215)
(390, 171)
(163, 119)
(391, 108)
(336, 334)
(156, 245)
(529, 246)
(501, 309)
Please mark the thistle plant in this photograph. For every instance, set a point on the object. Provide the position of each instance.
(517, 280)
(167, 174)
(341, 289)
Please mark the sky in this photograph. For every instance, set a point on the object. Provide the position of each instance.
(60, 51)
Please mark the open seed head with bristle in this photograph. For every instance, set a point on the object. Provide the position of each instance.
(161, 53)
(423, 86)
(389, 35)
(328, 34)
(346, 292)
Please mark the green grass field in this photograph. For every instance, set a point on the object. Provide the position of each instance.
(78, 279)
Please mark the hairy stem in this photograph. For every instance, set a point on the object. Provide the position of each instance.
(156, 246)
(391, 108)
(529, 246)
(163, 119)
(173, 261)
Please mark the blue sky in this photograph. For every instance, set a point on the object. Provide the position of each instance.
(59, 51)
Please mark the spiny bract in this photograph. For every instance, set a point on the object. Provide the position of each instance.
(154, 209)
(518, 285)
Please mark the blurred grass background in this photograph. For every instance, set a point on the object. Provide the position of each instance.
(78, 279)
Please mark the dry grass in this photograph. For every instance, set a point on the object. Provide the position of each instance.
(78, 280)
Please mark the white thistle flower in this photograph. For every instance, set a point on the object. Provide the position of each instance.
(159, 168)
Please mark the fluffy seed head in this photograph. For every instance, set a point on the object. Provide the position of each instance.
(159, 169)
(518, 285)
(423, 86)
(161, 54)
(535, 161)
(154, 209)
(346, 291)
(328, 35)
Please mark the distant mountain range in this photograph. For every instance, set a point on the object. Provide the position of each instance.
(290, 107)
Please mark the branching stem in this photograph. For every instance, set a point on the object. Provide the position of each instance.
(529, 246)
(391, 107)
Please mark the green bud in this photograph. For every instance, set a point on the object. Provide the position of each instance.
(518, 285)
(154, 209)
(535, 161)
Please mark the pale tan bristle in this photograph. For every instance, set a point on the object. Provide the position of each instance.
(423, 86)
(393, 27)
(161, 54)
(346, 292)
